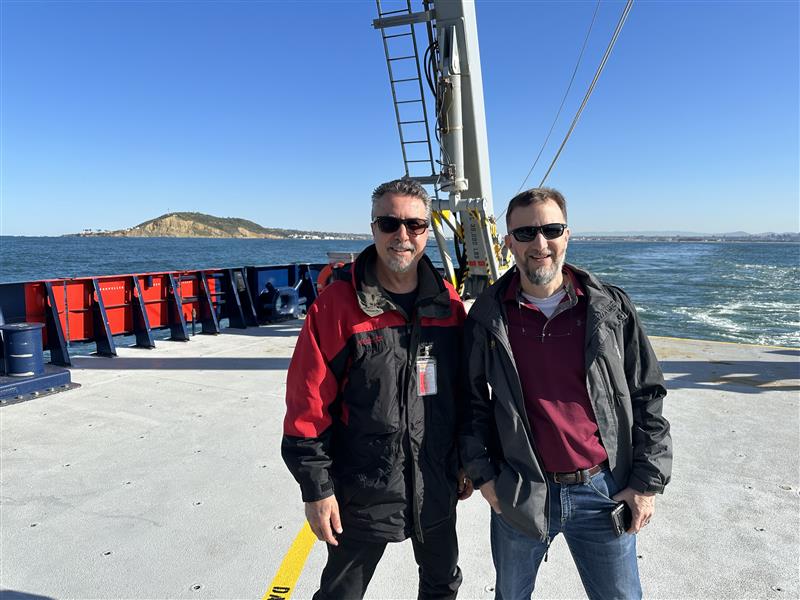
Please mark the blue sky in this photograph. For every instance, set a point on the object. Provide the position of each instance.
(280, 112)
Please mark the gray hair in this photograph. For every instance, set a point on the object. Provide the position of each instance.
(405, 186)
(533, 196)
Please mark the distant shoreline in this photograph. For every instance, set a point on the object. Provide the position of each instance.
(783, 239)
(788, 239)
(309, 237)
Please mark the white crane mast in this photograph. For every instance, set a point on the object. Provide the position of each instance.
(461, 176)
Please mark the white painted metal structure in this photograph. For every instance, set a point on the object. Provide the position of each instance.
(460, 125)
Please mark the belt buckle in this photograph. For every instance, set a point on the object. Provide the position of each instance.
(568, 478)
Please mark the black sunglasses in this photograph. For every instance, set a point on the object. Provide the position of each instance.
(528, 233)
(392, 224)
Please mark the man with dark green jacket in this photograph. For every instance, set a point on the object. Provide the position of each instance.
(564, 413)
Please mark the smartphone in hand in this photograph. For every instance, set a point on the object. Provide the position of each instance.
(621, 518)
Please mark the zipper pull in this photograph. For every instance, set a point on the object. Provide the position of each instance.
(547, 548)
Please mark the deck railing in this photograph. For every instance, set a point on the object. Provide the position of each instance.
(96, 309)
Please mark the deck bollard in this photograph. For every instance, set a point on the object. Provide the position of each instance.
(22, 347)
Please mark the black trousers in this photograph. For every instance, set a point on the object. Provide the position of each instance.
(351, 564)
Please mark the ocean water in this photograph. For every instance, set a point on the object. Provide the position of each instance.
(734, 292)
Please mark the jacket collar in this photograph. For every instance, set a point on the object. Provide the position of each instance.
(571, 286)
(488, 308)
(602, 306)
(433, 298)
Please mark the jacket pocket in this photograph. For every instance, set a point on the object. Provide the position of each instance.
(372, 388)
(613, 394)
(439, 431)
(371, 474)
(523, 502)
(602, 374)
(508, 485)
(366, 457)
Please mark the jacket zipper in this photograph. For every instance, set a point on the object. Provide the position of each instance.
(617, 394)
(411, 328)
(607, 384)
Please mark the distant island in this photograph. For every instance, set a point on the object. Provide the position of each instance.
(199, 225)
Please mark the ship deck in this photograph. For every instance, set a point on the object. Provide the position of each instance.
(161, 477)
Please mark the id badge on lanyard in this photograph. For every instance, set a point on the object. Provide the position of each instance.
(426, 371)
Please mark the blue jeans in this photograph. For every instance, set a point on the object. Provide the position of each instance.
(606, 563)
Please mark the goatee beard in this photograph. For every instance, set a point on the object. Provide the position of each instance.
(401, 264)
(544, 275)
(398, 265)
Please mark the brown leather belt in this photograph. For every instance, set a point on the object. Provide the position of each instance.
(577, 476)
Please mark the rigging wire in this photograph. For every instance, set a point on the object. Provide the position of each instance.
(564, 99)
(429, 63)
(613, 41)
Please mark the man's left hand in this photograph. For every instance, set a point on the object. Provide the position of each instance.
(464, 485)
(642, 505)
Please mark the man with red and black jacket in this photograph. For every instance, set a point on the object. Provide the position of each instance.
(372, 407)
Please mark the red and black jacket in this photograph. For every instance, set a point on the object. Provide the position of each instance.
(355, 425)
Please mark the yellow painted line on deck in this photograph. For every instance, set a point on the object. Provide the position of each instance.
(291, 567)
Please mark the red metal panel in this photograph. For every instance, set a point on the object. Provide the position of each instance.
(35, 304)
(116, 299)
(74, 301)
(155, 298)
(190, 292)
(79, 309)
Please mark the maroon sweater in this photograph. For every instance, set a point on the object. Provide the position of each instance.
(549, 354)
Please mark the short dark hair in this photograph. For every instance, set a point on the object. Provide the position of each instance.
(533, 196)
(405, 186)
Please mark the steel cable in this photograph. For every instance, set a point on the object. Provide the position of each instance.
(564, 99)
(613, 41)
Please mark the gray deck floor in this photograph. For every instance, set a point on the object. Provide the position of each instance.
(162, 473)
